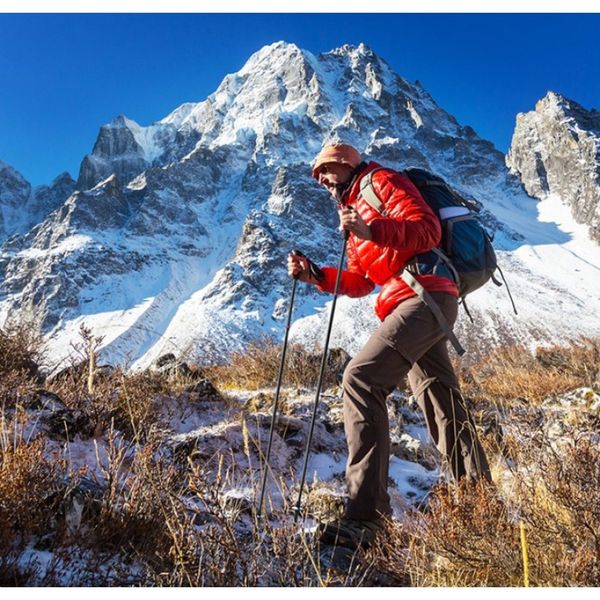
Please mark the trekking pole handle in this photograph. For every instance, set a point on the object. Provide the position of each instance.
(315, 272)
(350, 208)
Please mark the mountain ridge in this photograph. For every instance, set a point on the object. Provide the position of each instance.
(179, 242)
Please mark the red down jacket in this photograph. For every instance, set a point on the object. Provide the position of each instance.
(409, 228)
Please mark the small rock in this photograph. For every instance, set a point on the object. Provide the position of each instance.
(584, 398)
(165, 359)
(76, 500)
(80, 371)
(205, 390)
(405, 446)
(44, 400)
(296, 440)
(63, 423)
(326, 503)
(263, 402)
(238, 501)
(201, 517)
(288, 427)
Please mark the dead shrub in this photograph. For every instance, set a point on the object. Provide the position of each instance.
(514, 373)
(131, 402)
(559, 498)
(135, 505)
(20, 353)
(27, 481)
(258, 367)
(180, 526)
(137, 403)
(470, 535)
(580, 359)
(466, 538)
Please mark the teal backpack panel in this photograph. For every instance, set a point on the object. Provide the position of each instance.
(466, 253)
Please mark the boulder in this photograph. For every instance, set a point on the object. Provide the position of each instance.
(204, 390)
(174, 368)
(79, 372)
(58, 420)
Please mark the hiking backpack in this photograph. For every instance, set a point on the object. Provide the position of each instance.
(465, 254)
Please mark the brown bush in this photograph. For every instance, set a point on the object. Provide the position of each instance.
(20, 351)
(466, 538)
(560, 503)
(470, 535)
(27, 481)
(514, 373)
(131, 402)
(174, 522)
(258, 367)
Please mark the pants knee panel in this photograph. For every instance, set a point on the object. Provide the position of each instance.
(352, 375)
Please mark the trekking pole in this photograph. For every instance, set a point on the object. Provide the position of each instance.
(279, 379)
(320, 383)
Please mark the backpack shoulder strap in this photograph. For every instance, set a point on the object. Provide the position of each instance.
(435, 309)
(367, 191)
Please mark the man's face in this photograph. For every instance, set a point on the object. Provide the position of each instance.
(334, 177)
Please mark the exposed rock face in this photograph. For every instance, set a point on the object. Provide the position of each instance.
(556, 150)
(23, 206)
(14, 194)
(125, 149)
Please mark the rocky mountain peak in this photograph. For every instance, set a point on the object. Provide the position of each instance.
(272, 56)
(556, 150)
(63, 179)
(23, 206)
(116, 151)
(553, 102)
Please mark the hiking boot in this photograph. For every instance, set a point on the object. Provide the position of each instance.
(351, 533)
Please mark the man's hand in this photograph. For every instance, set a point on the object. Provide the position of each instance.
(350, 220)
(298, 267)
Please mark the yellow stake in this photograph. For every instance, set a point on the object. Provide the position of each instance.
(525, 557)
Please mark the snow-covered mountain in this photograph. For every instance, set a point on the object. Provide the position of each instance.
(176, 236)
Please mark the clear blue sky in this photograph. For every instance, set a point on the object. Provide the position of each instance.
(64, 75)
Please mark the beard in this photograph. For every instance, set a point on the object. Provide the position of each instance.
(337, 191)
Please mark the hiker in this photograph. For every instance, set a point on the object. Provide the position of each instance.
(409, 341)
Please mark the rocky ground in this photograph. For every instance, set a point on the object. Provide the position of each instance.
(119, 496)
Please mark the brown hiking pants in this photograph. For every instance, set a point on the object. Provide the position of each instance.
(409, 341)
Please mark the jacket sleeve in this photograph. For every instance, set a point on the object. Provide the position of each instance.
(353, 283)
(411, 224)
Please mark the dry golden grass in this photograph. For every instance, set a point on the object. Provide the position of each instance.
(112, 397)
(513, 373)
(466, 538)
(258, 367)
(477, 538)
(20, 353)
(469, 535)
(27, 480)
